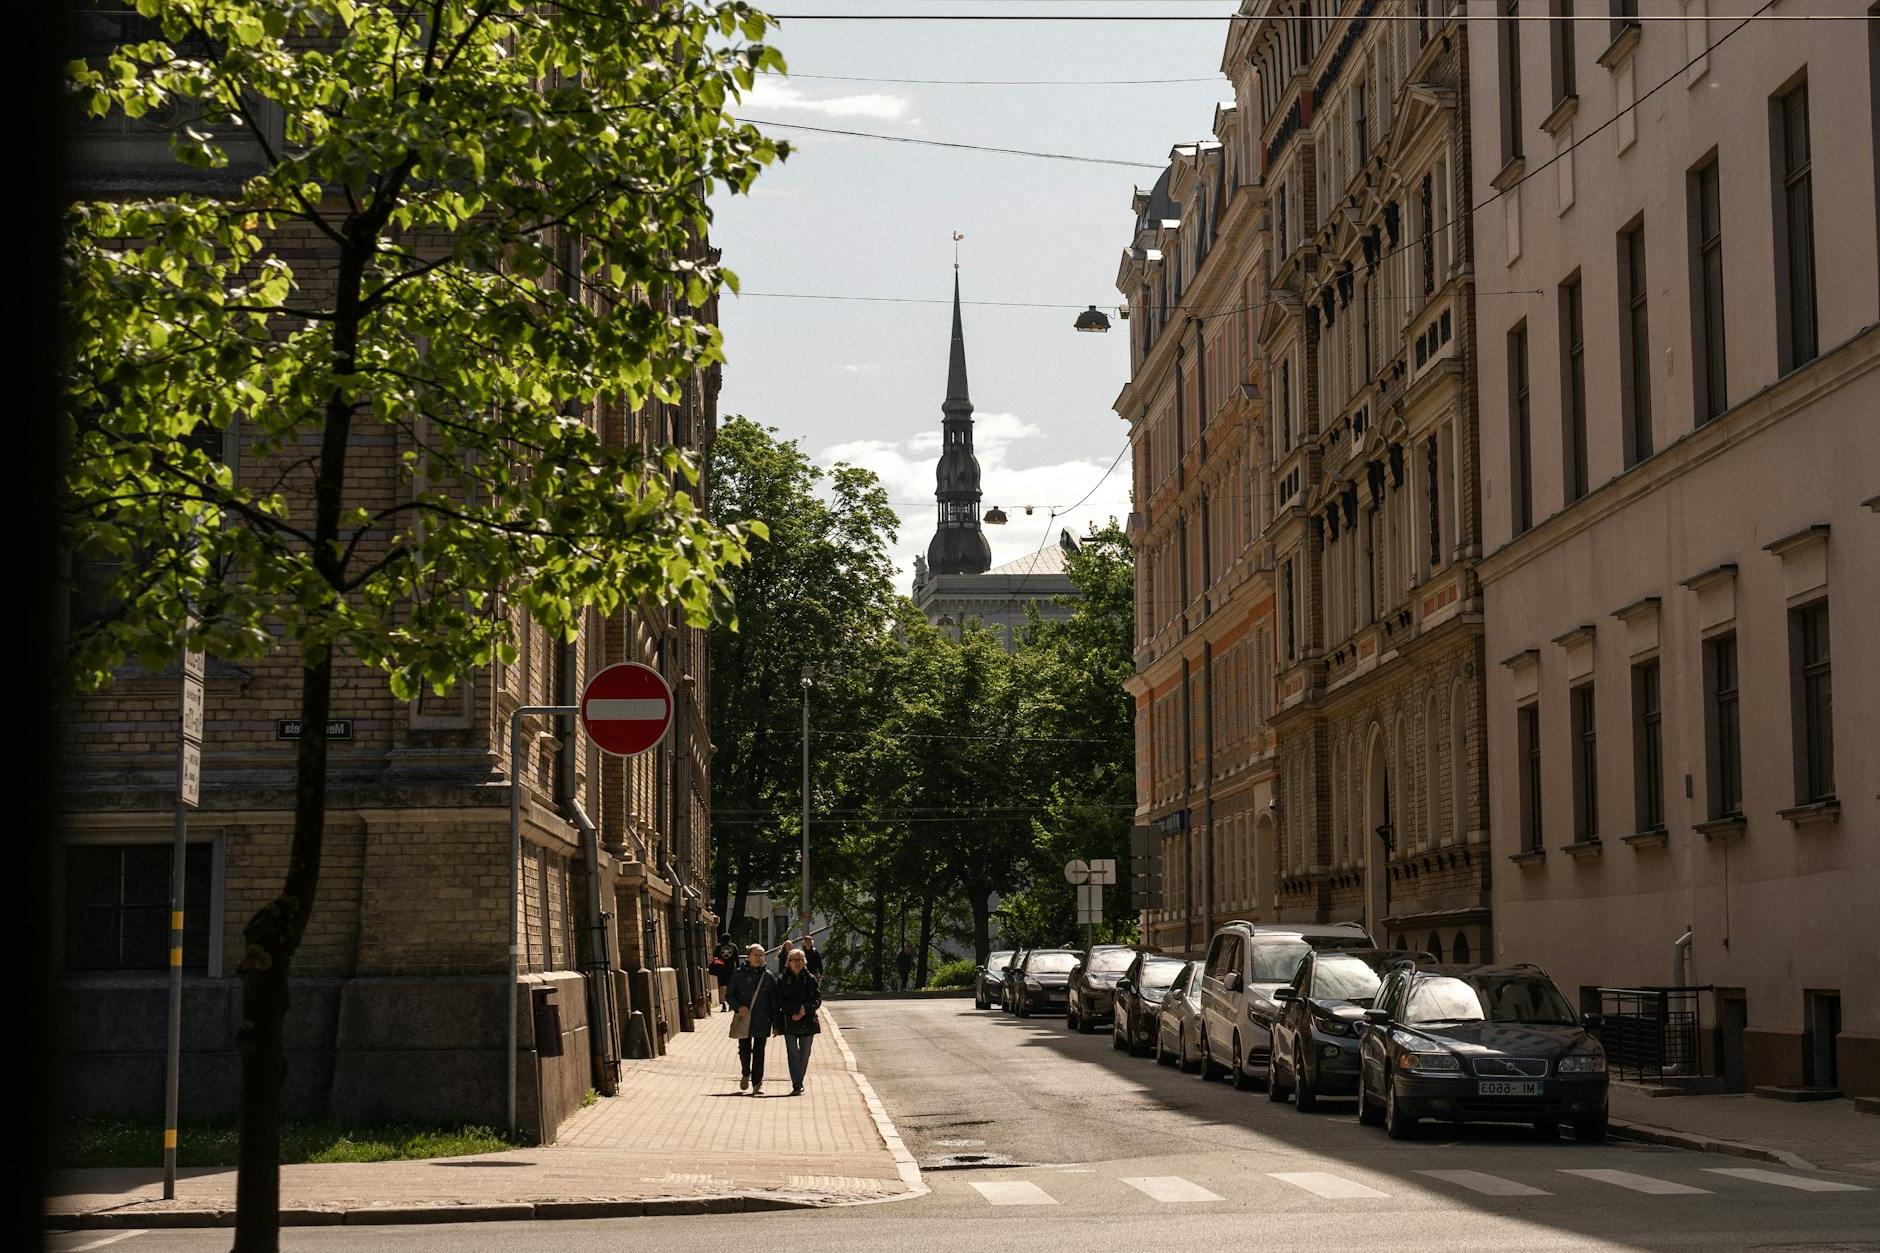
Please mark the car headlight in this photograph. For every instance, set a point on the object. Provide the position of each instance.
(1581, 1064)
(1429, 1063)
(1334, 1026)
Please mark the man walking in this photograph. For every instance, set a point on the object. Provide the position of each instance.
(904, 962)
(754, 998)
(812, 956)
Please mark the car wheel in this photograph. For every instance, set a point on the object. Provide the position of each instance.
(1397, 1124)
(1590, 1130)
(1238, 1074)
(1181, 1053)
(979, 999)
(1368, 1113)
(1210, 1069)
(1304, 1098)
(1161, 1054)
(1022, 1008)
(1275, 1090)
(1117, 1040)
(1133, 1037)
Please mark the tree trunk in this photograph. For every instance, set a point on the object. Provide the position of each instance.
(982, 926)
(879, 934)
(271, 937)
(926, 939)
(735, 920)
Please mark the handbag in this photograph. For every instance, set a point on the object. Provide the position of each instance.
(741, 1025)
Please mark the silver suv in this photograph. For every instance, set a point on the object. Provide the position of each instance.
(1245, 964)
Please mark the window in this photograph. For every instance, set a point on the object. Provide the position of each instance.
(1285, 406)
(1723, 746)
(1573, 408)
(1361, 124)
(1286, 611)
(1707, 218)
(1635, 348)
(1814, 704)
(1585, 765)
(1426, 202)
(1529, 717)
(1520, 437)
(1648, 753)
(1562, 30)
(1510, 81)
(1796, 225)
(1624, 14)
(117, 907)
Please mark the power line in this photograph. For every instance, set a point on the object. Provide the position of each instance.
(940, 143)
(1275, 18)
(1007, 82)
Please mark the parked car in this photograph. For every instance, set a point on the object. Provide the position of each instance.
(989, 978)
(1245, 963)
(1008, 974)
(1093, 984)
(1137, 1003)
(1041, 981)
(1320, 1016)
(1481, 1044)
(1178, 1021)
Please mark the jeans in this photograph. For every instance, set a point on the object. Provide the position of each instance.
(796, 1053)
(751, 1059)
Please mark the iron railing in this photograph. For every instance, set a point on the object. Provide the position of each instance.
(1651, 1033)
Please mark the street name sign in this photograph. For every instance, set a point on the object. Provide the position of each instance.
(627, 709)
(290, 728)
(1089, 904)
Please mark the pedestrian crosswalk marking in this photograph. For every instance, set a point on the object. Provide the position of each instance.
(1171, 1189)
(1323, 1183)
(1638, 1183)
(1780, 1180)
(1009, 1192)
(1487, 1185)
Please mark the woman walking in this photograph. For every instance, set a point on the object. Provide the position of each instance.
(724, 961)
(754, 997)
(798, 999)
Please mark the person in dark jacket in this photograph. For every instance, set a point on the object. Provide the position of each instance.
(798, 999)
(904, 962)
(754, 996)
(724, 964)
(812, 956)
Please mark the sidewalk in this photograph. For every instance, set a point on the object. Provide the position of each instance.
(1827, 1135)
(679, 1138)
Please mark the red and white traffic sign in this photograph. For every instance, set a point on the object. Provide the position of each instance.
(627, 708)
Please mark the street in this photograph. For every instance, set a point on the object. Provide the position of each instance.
(1095, 1149)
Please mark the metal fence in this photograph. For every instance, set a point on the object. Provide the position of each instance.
(1649, 1033)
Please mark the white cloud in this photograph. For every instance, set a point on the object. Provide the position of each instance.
(768, 93)
(906, 470)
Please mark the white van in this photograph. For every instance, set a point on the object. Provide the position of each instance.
(1245, 963)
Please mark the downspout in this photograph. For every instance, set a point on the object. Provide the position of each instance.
(598, 978)
(1680, 954)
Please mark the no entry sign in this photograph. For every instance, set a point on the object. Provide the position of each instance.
(626, 708)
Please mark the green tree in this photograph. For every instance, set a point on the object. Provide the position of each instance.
(475, 225)
(817, 594)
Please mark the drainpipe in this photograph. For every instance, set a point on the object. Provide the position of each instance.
(1680, 953)
(600, 985)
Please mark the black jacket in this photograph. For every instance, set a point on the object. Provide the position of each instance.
(812, 961)
(755, 988)
(796, 992)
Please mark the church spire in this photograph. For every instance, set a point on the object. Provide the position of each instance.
(958, 545)
(956, 361)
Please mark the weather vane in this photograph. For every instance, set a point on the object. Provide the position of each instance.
(957, 237)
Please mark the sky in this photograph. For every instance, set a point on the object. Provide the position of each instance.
(862, 382)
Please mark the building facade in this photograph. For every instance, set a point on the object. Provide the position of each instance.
(1681, 469)
(401, 985)
(1365, 330)
(1205, 755)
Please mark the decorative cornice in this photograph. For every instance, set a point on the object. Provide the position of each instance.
(1526, 657)
(1643, 607)
(1705, 579)
(1562, 114)
(1815, 534)
(1585, 632)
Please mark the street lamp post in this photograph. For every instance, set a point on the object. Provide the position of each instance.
(808, 676)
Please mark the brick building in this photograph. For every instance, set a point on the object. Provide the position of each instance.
(401, 985)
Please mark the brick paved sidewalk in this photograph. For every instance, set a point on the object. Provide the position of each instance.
(679, 1138)
(1831, 1135)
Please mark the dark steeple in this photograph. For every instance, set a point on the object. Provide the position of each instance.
(958, 546)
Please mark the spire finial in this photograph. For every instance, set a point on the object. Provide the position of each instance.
(957, 237)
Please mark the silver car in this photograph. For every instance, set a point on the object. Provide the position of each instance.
(1178, 1022)
(1246, 964)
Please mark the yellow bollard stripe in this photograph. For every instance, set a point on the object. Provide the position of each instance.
(169, 1137)
(176, 920)
(176, 955)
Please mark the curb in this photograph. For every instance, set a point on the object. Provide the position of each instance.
(903, 1160)
(415, 1215)
(1647, 1134)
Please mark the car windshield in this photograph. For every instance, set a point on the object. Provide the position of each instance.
(998, 961)
(1161, 974)
(1050, 963)
(1490, 998)
(1276, 961)
(1111, 961)
(1344, 979)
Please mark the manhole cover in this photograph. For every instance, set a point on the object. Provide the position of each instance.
(970, 1161)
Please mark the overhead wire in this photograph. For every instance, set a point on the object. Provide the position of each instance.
(941, 143)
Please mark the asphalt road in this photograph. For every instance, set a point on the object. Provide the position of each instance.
(1098, 1150)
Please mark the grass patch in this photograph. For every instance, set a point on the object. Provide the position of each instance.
(139, 1142)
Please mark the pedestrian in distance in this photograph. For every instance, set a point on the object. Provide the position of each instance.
(812, 957)
(799, 996)
(754, 1000)
(904, 962)
(724, 962)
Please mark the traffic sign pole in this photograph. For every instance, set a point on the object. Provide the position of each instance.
(188, 793)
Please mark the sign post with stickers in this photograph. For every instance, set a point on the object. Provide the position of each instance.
(188, 796)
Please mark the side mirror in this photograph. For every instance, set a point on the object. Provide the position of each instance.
(1233, 982)
(1285, 994)
(1377, 1017)
(1593, 1021)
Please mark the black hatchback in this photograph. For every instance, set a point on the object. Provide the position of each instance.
(1480, 1044)
(1317, 1021)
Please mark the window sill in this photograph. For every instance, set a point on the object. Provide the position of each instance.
(1562, 114)
(1728, 827)
(1622, 46)
(1580, 850)
(1530, 857)
(1657, 837)
(1510, 173)
(1815, 813)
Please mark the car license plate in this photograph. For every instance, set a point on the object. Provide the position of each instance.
(1509, 1087)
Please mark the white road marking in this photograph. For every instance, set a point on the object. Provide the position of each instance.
(1639, 1183)
(99, 1244)
(1781, 1180)
(1487, 1185)
(1004, 1192)
(1323, 1183)
(1171, 1189)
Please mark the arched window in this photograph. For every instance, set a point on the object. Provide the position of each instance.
(1432, 774)
(1435, 946)
(1339, 808)
(1458, 763)
(1461, 949)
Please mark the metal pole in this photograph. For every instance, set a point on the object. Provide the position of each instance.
(806, 684)
(515, 873)
(173, 1070)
